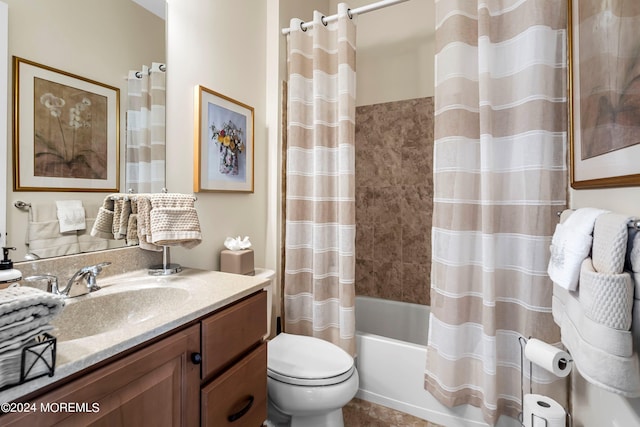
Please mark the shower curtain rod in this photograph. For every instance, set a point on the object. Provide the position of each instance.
(352, 12)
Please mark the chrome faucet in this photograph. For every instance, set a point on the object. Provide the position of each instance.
(88, 273)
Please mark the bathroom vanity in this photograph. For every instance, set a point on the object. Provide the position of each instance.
(200, 360)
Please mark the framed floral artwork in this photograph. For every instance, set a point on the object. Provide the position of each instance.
(604, 93)
(224, 151)
(66, 131)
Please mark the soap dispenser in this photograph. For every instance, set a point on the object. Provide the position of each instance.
(8, 274)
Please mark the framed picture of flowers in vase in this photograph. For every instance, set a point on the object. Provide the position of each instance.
(66, 131)
(224, 151)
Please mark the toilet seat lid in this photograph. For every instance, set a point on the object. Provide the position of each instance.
(302, 360)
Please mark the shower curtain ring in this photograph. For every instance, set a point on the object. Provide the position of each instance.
(349, 14)
(302, 27)
(324, 20)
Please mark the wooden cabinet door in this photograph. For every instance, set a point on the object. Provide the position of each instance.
(238, 397)
(156, 386)
(231, 332)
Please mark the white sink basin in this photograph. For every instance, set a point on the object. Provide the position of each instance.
(116, 308)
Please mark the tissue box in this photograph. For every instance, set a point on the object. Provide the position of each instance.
(239, 262)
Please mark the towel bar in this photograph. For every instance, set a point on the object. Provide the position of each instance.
(22, 205)
(633, 223)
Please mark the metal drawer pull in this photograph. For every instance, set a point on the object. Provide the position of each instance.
(241, 412)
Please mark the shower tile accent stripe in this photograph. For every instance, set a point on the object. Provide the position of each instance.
(394, 186)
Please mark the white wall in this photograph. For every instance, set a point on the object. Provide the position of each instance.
(396, 48)
(219, 44)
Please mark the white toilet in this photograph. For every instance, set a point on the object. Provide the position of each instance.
(309, 379)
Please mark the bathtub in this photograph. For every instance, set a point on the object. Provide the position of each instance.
(391, 340)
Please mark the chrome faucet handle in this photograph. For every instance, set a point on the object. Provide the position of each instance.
(52, 282)
(92, 273)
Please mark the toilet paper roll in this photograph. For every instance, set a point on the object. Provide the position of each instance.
(542, 411)
(548, 357)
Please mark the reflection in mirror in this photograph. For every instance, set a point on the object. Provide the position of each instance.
(145, 158)
(4, 100)
(100, 40)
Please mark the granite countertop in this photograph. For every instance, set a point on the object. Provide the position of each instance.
(194, 293)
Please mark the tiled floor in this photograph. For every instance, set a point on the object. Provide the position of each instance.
(360, 413)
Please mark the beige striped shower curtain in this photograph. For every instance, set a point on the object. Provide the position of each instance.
(145, 159)
(320, 187)
(499, 180)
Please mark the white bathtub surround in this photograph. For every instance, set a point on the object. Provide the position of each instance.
(500, 178)
(320, 196)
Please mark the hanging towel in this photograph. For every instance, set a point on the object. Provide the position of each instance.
(123, 225)
(144, 231)
(610, 234)
(87, 242)
(71, 215)
(132, 225)
(118, 207)
(103, 225)
(173, 220)
(43, 233)
(570, 245)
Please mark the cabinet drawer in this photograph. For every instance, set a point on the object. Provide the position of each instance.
(239, 396)
(228, 334)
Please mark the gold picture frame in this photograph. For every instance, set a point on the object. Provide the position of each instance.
(603, 132)
(66, 131)
(224, 143)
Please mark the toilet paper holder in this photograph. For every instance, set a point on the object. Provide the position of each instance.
(523, 342)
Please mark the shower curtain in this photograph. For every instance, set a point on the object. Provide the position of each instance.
(499, 181)
(145, 157)
(320, 187)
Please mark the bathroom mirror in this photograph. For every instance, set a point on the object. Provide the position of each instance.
(100, 40)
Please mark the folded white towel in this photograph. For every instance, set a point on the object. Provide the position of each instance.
(38, 359)
(71, 215)
(616, 374)
(570, 245)
(21, 302)
(566, 308)
(38, 303)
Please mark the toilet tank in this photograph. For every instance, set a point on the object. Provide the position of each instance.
(270, 275)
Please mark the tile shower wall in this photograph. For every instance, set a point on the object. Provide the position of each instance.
(394, 187)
